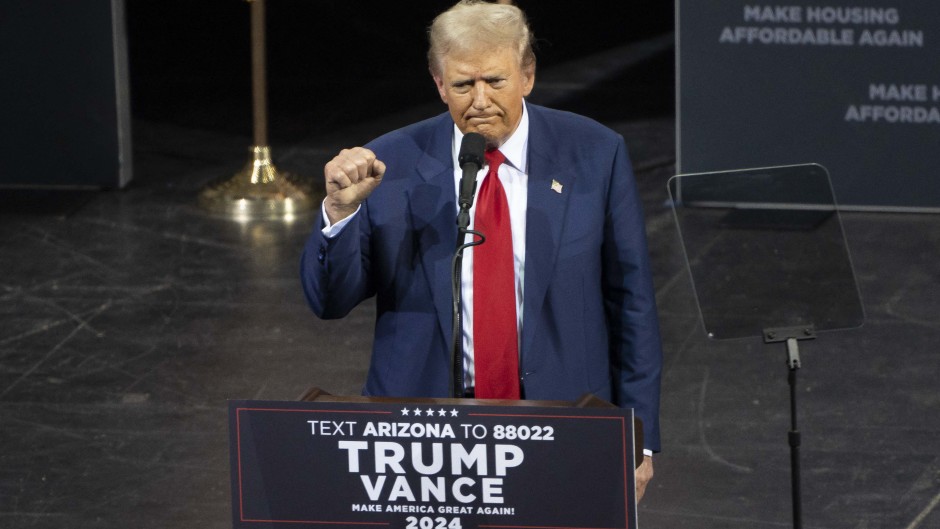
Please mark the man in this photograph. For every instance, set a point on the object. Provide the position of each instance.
(574, 239)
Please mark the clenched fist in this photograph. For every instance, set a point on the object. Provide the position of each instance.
(350, 178)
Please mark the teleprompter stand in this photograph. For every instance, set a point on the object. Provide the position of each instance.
(768, 258)
(792, 335)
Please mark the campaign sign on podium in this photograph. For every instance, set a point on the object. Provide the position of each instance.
(430, 466)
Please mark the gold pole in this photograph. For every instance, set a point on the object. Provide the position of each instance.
(258, 191)
(259, 88)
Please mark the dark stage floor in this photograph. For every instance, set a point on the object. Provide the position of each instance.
(127, 318)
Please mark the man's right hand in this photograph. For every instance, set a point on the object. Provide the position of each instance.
(350, 178)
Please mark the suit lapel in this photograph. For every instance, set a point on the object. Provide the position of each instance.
(433, 215)
(548, 190)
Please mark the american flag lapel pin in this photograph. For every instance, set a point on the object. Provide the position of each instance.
(556, 186)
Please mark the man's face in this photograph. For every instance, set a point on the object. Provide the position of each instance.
(484, 92)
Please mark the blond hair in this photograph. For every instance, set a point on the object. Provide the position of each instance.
(478, 26)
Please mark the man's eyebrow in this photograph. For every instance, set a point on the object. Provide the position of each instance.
(486, 79)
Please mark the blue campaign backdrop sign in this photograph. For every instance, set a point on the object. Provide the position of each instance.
(854, 87)
(424, 466)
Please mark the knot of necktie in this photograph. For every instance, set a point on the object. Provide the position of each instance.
(494, 158)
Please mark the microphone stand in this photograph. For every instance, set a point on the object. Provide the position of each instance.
(463, 220)
(470, 158)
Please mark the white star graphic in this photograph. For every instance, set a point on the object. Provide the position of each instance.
(417, 412)
(404, 411)
(441, 412)
(430, 412)
(453, 413)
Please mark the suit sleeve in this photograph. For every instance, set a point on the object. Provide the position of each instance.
(335, 272)
(630, 302)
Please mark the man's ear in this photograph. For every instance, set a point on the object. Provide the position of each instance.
(440, 87)
(529, 81)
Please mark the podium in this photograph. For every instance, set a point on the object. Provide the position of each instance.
(432, 463)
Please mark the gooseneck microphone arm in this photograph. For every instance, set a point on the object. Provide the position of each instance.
(470, 159)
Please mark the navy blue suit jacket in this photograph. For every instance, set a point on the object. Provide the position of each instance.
(589, 314)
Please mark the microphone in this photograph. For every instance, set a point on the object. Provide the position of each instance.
(470, 159)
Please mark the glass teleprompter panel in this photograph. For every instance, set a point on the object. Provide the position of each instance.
(765, 249)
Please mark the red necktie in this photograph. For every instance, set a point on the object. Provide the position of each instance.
(495, 342)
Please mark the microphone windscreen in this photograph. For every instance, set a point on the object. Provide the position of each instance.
(471, 149)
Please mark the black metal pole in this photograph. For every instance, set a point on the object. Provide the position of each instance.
(457, 385)
(457, 380)
(794, 435)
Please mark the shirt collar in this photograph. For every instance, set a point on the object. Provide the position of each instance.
(514, 149)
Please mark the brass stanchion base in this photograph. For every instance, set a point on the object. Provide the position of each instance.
(259, 192)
